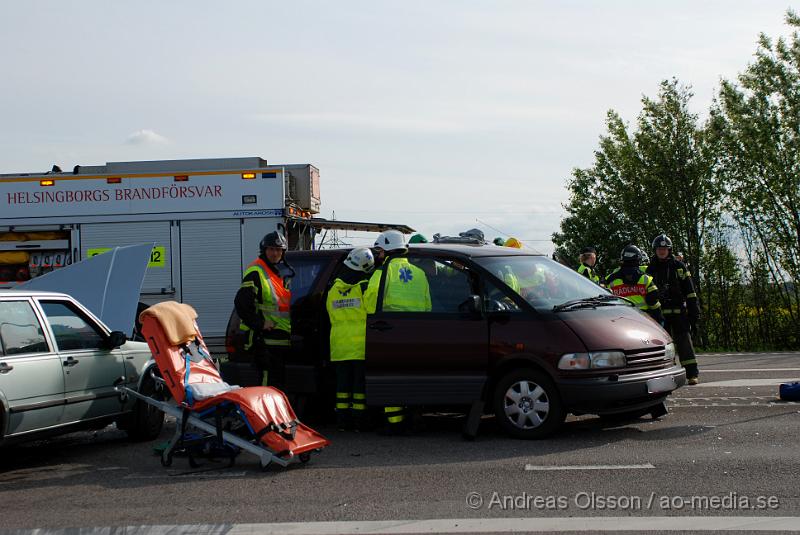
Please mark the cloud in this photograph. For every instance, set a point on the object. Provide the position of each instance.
(146, 137)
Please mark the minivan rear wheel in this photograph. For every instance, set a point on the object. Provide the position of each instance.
(527, 404)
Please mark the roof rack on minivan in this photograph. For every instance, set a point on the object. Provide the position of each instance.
(437, 238)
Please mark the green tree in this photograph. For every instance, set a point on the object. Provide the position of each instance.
(659, 178)
(757, 123)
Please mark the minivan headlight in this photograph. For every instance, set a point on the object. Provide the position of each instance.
(669, 351)
(594, 360)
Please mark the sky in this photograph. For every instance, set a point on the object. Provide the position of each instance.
(442, 115)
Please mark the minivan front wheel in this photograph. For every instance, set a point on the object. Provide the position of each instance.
(527, 404)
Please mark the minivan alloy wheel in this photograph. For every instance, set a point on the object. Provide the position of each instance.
(527, 404)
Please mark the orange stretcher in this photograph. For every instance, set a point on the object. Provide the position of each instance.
(230, 418)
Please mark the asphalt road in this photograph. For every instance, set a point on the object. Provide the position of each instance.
(728, 450)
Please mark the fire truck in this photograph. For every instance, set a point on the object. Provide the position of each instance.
(205, 217)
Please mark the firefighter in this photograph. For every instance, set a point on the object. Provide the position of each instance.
(678, 297)
(628, 281)
(588, 259)
(262, 304)
(406, 289)
(348, 314)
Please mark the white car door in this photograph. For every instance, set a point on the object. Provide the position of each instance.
(31, 379)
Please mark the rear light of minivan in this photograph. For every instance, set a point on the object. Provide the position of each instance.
(595, 360)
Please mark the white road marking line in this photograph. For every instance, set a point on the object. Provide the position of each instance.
(750, 354)
(542, 468)
(749, 370)
(744, 382)
(515, 525)
(471, 525)
(188, 475)
(725, 405)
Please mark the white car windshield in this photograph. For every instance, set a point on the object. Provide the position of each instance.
(546, 284)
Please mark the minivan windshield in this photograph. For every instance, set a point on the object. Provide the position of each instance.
(546, 284)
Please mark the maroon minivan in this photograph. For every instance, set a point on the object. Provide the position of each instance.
(509, 332)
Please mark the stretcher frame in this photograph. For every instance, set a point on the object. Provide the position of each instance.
(185, 419)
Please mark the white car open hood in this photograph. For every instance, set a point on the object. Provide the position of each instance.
(107, 284)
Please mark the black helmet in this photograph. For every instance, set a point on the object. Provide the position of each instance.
(662, 240)
(632, 256)
(273, 239)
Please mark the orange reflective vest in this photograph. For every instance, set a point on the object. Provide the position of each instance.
(273, 302)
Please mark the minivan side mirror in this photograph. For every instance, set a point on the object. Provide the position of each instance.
(473, 305)
(116, 339)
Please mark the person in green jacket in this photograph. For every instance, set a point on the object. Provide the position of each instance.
(348, 315)
(588, 259)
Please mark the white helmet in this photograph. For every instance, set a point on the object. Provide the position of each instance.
(360, 259)
(391, 240)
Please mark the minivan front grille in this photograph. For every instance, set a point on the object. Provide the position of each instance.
(649, 358)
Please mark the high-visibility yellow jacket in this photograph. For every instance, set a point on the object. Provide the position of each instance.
(272, 302)
(347, 311)
(589, 273)
(406, 288)
(643, 293)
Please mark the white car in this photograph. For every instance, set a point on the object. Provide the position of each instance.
(59, 366)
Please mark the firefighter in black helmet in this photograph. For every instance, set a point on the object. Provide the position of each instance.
(679, 302)
(262, 304)
(630, 282)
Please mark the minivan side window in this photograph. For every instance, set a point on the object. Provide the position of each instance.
(20, 330)
(496, 300)
(451, 288)
(70, 327)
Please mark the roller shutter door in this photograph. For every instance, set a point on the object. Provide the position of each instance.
(211, 270)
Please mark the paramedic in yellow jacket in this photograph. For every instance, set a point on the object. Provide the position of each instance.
(262, 303)
(348, 314)
(406, 290)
